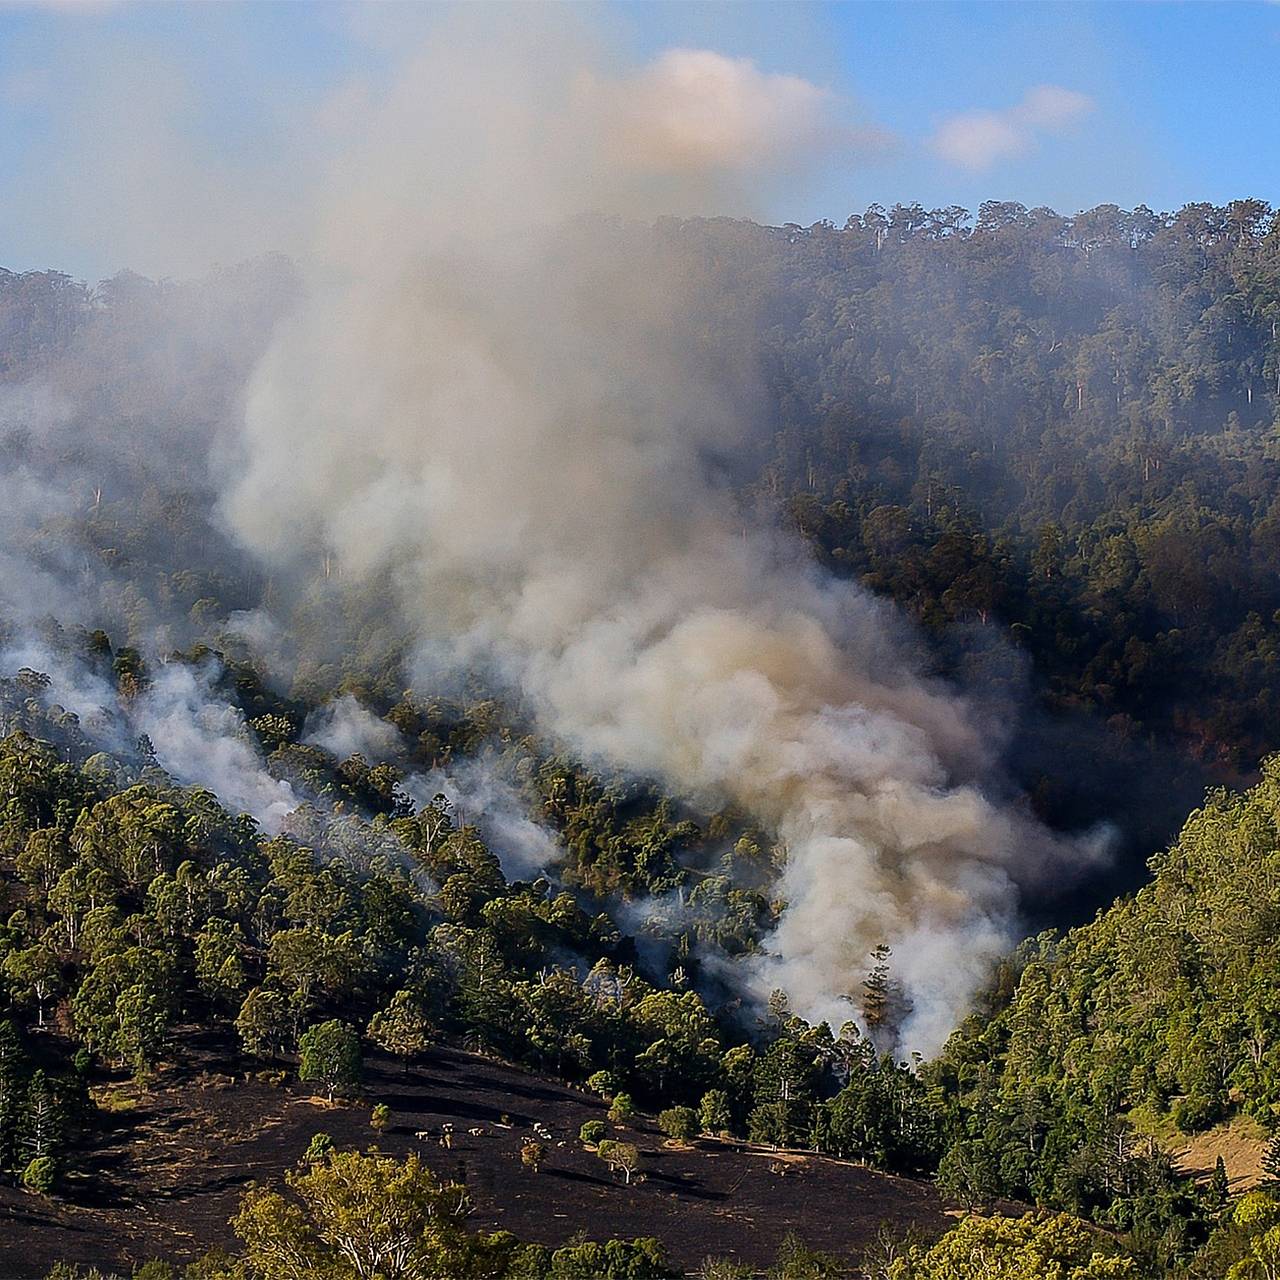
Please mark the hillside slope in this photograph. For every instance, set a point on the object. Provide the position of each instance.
(1158, 1018)
(173, 1169)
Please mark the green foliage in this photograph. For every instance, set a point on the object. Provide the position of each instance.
(605, 1083)
(1197, 1111)
(35, 977)
(725, 1269)
(354, 1215)
(796, 1261)
(1164, 1004)
(714, 1114)
(74, 1271)
(592, 1132)
(124, 1005)
(1245, 1245)
(155, 1269)
(219, 963)
(1271, 1159)
(621, 1109)
(621, 1157)
(969, 1174)
(680, 1123)
(402, 1028)
(319, 1148)
(41, 1175)
(1034, 1247)
(263, 1021)
(329, 1053)
(613, 1260)
(1219, 1187)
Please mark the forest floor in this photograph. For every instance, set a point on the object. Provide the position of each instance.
(176, 1156)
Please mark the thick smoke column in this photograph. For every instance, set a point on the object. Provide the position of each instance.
(508, 404)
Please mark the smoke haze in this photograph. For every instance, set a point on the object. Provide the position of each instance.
(501, 391)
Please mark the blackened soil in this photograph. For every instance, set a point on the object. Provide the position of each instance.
(168, 1173)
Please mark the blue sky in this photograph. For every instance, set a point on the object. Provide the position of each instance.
(1068, 105)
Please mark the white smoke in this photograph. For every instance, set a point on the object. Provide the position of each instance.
(75, 688)
(198, 738)
(478, 788)
(345, 728)
(509, 407)
(203, 741)
(482, 796)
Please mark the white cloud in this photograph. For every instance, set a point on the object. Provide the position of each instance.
(693, 109)
(977, 140)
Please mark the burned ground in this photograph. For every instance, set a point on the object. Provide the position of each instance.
(176, 1157)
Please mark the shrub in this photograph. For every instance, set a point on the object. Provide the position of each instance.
(724, 1269)
(592, 1132)
(621, 1157)
(614, 1260)
(532, 1154)
(115, 1100)
(40, 1175)
(318, 1149)
(715, 1114)
(156, 1269)
(680, 1123)
(380, 1117)
(1196, 1112)
(622, 1109)
(329, 1053)
(968, 1173)
(605, 1083)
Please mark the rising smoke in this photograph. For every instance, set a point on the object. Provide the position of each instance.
(501, 390)
(192, 732)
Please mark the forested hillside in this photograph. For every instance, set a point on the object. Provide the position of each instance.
(1043, 435)
(1060, 426)
(240, 805)
(1162, 1009)
(1166, 1001)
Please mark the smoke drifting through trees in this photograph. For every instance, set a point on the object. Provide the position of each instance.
(509, 408)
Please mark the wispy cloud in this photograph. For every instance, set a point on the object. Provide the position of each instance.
(977, 140)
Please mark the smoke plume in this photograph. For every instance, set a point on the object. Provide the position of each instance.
(201, 740)
(344, 728)
(507, 390)
(483, 795)
(195, 735)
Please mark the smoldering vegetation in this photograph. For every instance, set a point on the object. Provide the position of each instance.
(511, 413)
(497, 427)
